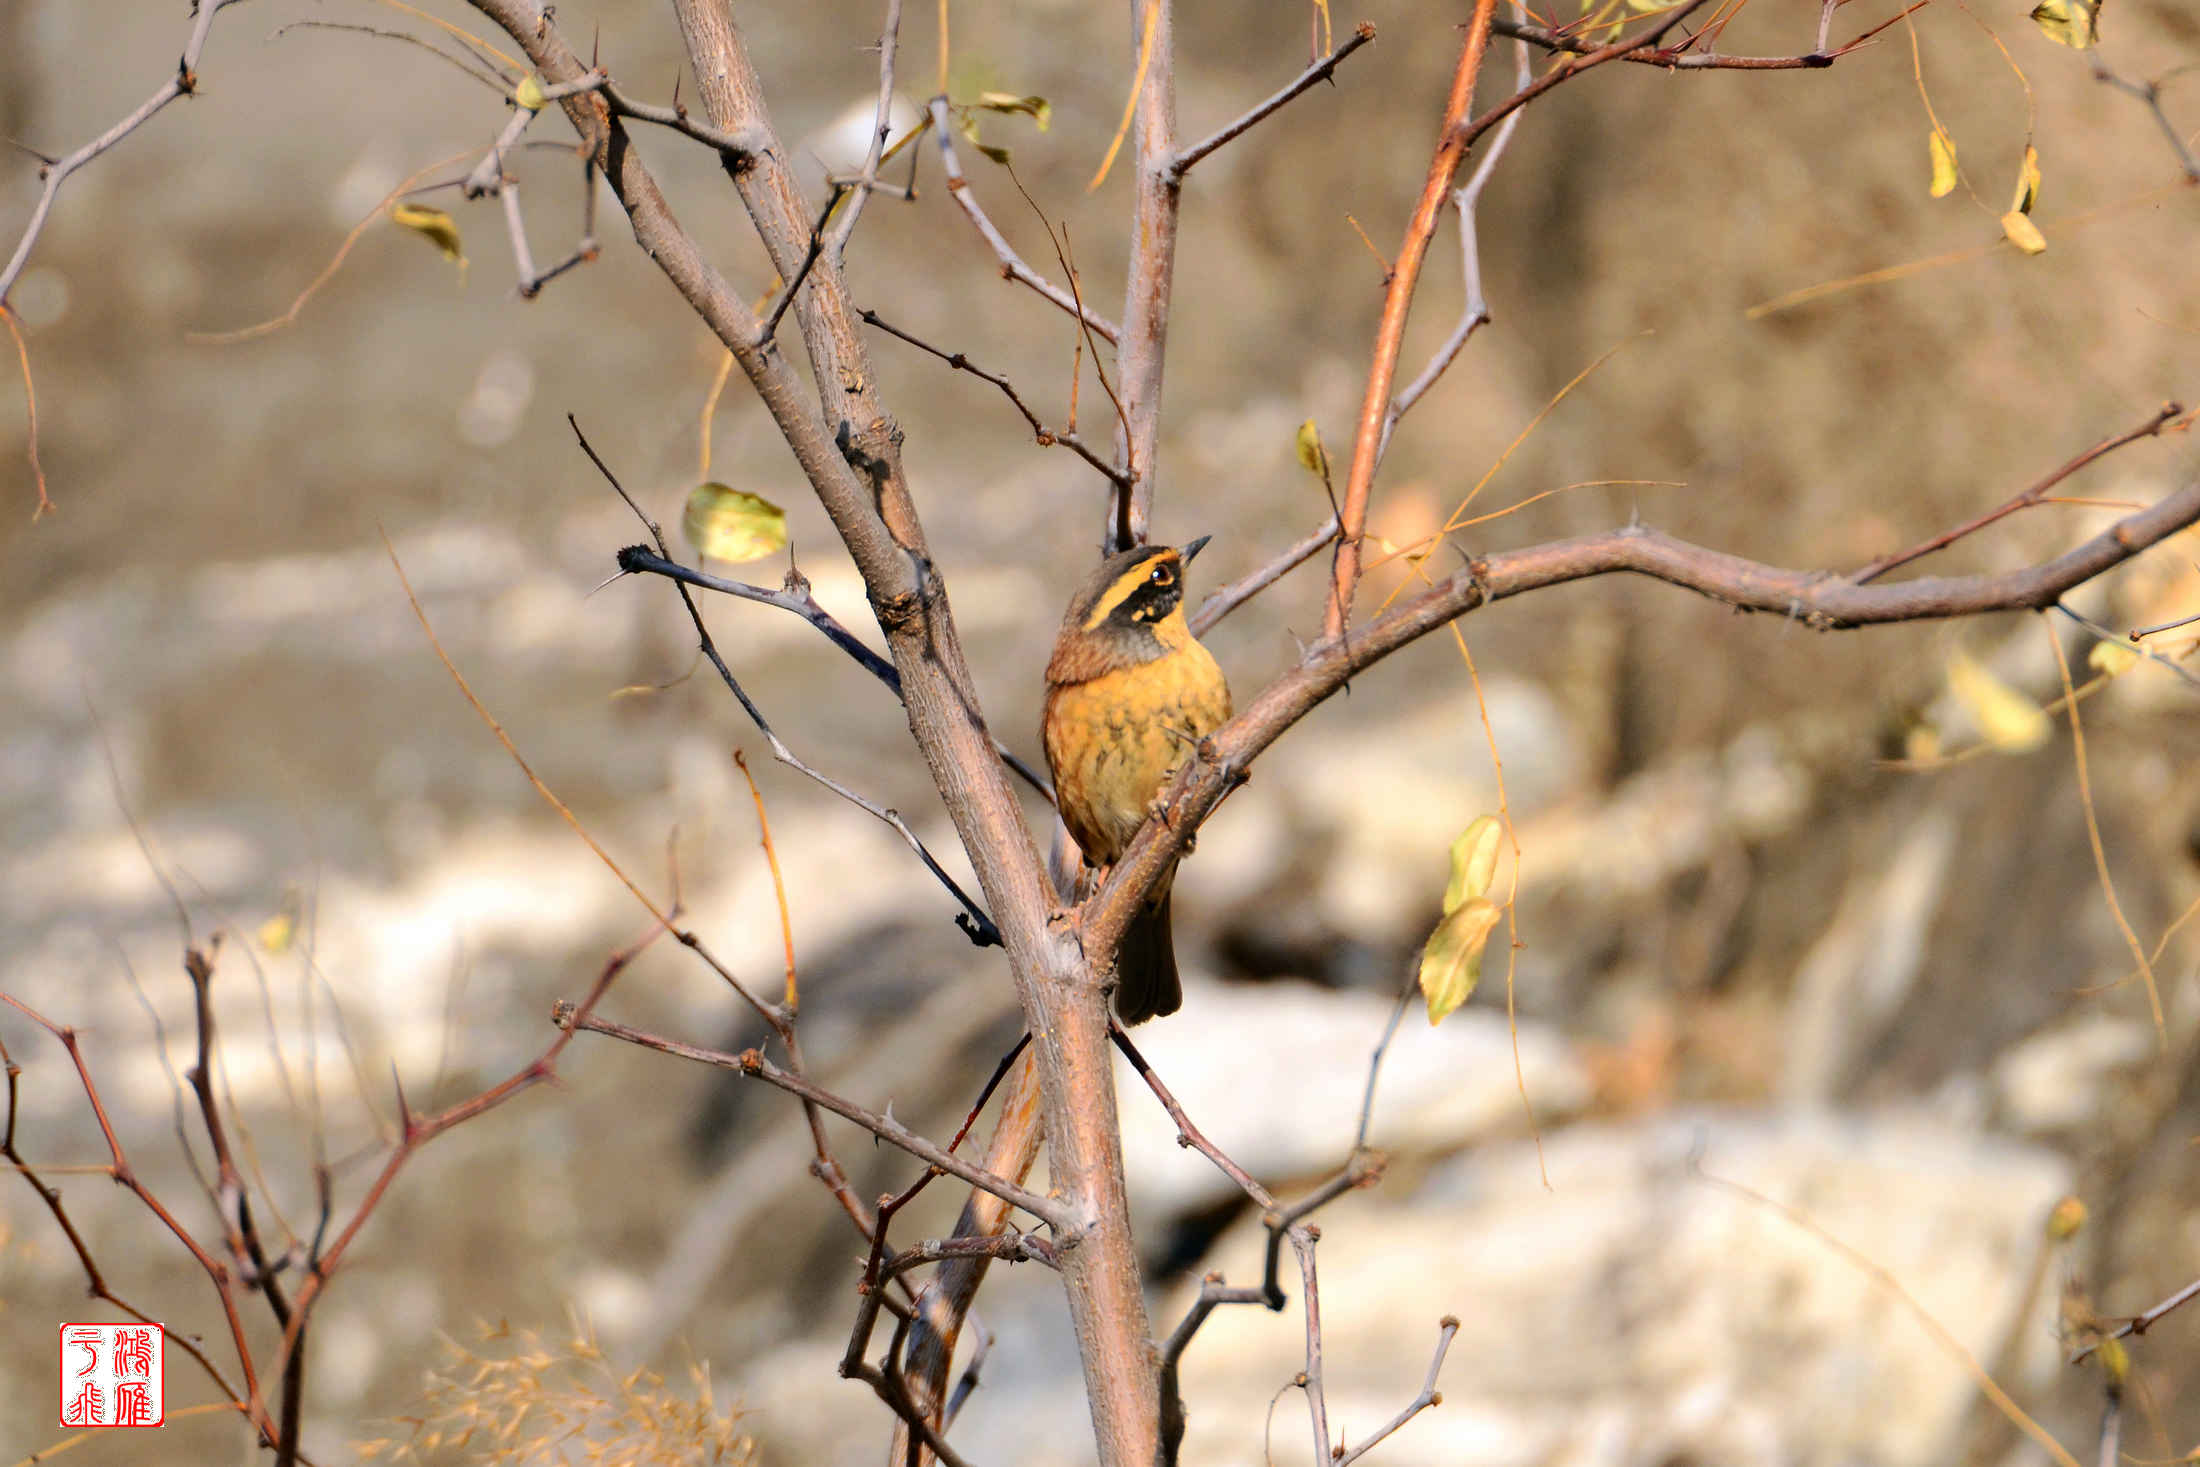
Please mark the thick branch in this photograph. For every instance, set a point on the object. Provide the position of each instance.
(1816, 598)
(1141, 353)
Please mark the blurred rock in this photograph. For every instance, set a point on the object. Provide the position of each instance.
(1632, 1312)
(1275, 1074)
(2058, 1079)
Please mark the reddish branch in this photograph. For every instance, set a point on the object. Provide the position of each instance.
(1684, 58)
(1451, 150)
(1458, 135)
(2156, 422)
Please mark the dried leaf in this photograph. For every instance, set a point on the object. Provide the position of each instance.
(733, 525)
(433, 225)
(2028, 182)
(2010, 721)
(2023, 233)
(1473, 862)
(1451, 961)
(2072, 23)
(1038, 109)
(1943, 150)
(528, 94)
(1312, 456)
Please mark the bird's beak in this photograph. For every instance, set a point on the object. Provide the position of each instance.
(1193, 549)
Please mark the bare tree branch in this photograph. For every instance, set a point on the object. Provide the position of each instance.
(752, 1063)
(1430, 1396)
(1047, 437)
(1319, 72)
(1143, 350)
(1012, 264)
(1816, 598)
(1237, 593)
(889, 40)
(182, 83)
(2152, 426)
(1451, 149)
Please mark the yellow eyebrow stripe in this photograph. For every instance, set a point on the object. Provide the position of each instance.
(1119, 592)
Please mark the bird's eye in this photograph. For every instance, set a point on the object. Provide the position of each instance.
(1160, 575)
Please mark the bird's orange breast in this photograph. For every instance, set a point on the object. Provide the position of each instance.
(1113, 741)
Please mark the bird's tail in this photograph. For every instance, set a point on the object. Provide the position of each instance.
(1146, 984)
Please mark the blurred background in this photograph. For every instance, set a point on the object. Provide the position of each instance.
(1892, 999)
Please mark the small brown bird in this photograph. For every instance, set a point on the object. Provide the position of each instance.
(1130, 692)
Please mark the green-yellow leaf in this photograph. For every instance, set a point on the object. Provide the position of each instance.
(1312, 456)
(1451, 962)
(433, 225)
(2023, 233)
(2111, 658)
(2028, 183)
(1943, 149)
(1473, 862)
(1038, 109)
(528, 94)
(277, 933)
(2010, 721)
(733, 525)
(2072, 23)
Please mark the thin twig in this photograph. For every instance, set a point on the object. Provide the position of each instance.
(972, 919)
(1317, 1403)
(1221, 603)
(1680, 59)
(1213, 1293)
(466, 64)
(2150, 93)
(862, 187)
(1046, 437)
(2152, 426)
(1012, 264)
(181, 83)
(2139, 1324)
(1318, 72)
(1430, 1396)
(752, 1063)
(733, 149)
(809, 258)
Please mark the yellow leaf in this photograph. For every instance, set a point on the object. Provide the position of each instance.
(277, 933)
(733, 525)
(1312, 456)
(2023, 233)
(2009, 721)
(2115, 1360)
(1451, 962)
(1473, 862)
(1038, 109)
(2065, 1221)
(1943, 149)
(2111, 658)
(528, 94)
(2028, 183)
(433, 225)
(2072, 23)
